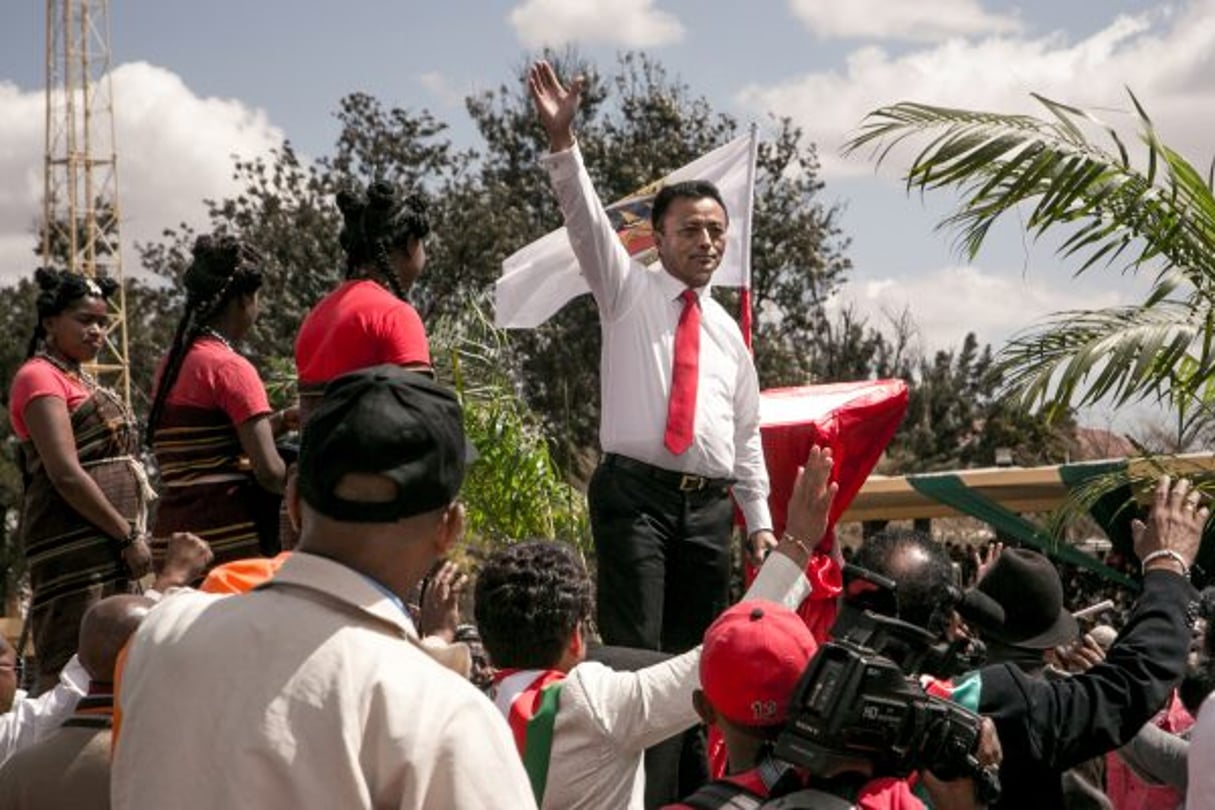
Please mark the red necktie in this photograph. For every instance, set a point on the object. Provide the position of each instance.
(685, 373)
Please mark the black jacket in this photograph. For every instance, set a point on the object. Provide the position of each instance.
(1046, 727)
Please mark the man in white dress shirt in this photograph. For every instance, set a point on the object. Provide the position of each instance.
(680, 424)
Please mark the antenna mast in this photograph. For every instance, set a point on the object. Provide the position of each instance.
(80, 223)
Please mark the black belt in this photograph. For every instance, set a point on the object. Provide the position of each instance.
(684, 482)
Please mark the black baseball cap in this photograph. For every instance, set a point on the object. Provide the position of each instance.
(386, 421)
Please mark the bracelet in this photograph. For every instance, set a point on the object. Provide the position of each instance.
(800, 543)
(1167, 552)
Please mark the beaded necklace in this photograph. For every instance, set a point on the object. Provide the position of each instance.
(90, 382)
(207, 331)
(70, 369)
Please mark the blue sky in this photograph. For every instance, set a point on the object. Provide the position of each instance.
(198, 82)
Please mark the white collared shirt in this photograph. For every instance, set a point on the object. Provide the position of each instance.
(32, 719)
(639, 310)
(606, 719)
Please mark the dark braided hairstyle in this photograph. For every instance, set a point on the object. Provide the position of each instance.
(58, 290)
(376, 221)
(529, 599)
(223, 268)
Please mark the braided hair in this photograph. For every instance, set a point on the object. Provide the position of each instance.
(223, 268)
(58, 291)
(376, 221)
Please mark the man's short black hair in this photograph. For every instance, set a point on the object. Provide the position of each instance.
(687, 189)
(529, 599)
(923, 584)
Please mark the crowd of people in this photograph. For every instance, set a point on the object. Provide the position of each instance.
(277, 626)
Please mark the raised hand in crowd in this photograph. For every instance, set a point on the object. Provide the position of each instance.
(983, 562)
(440, 609)
(186, 558)
(556, 105)
(1170, 537)
(809, 506)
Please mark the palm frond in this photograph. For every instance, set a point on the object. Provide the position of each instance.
(1128, 353)
(1139, 478)
(1002, 162)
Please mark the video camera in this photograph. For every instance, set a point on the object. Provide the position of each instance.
(859, 707)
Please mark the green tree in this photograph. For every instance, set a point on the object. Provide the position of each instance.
(957, 418)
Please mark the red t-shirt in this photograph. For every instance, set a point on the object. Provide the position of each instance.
(213, 376)
(360, 324)
(39, 378)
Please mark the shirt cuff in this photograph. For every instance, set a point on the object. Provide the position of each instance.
(757, 515)
(780, 580)
(563, 165)
(74, 676)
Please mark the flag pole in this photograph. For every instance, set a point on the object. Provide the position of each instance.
(744, 297)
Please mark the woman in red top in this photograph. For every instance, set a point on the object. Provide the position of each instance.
(84, 512)
(211, 425)
(367, 320)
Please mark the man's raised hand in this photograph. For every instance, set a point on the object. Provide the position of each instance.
(555, 104)
(810, 503)
(1173, 530)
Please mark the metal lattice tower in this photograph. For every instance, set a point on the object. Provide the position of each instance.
(80, 228)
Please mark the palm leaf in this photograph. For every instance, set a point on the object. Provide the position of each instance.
(1000, 161)
(1112, 213)
(1127, 353)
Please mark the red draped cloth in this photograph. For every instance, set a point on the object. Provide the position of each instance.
(856, 420)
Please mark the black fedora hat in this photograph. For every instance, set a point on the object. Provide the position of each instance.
(1027, 585)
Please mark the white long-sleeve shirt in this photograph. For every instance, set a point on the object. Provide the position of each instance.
(31, 719)
(606, 719)
(639, 310)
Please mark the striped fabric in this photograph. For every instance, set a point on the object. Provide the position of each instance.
(209, 488)
(71, 563)
(193, 443)
(529, 700)
(95, 710)
(965, 692)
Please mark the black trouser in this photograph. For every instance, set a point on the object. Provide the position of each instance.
(663, 555)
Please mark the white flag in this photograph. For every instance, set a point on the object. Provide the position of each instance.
(541, 278)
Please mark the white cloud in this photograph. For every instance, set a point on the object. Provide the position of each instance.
(1166, 57)
(920, 21)
(948, 302)
(448, 92)
(174, 149)
(626, 23)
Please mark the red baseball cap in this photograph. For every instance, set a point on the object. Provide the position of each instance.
(753, 655)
